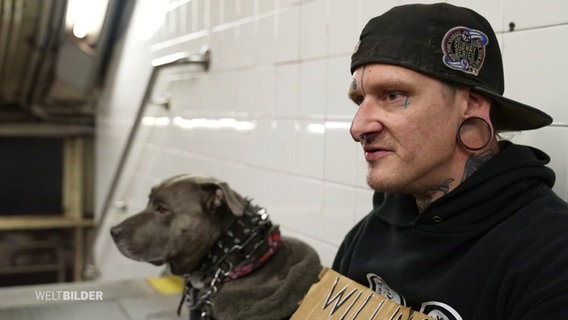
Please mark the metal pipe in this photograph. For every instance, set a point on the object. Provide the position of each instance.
(203, 58)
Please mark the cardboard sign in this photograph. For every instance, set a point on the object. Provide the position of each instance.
(336, 297)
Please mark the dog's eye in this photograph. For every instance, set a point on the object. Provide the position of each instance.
(161, 208)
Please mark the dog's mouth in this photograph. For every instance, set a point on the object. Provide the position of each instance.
(157, 262)
(139, 255)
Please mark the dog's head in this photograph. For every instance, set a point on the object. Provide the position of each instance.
(184, 217)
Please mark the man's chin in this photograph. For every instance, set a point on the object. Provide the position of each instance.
(381, 185)
(375, 183)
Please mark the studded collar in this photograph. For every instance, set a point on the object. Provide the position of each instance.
(248, 243)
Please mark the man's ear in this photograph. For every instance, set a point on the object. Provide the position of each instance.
(219, 194)
(478, 106)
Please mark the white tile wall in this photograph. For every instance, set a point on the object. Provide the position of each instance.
(288, 34)
(535, 69)
(313, 29)
(313, 75)
(280, 71)
(344, 26)
(527, 14)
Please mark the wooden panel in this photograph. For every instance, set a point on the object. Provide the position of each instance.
(42, 222)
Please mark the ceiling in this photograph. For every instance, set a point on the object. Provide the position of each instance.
(48, 75)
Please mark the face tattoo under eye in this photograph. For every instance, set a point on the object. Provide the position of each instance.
(405, 104)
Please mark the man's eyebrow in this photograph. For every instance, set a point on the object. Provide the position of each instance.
(390, 83)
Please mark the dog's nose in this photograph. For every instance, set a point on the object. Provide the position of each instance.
(115, 231)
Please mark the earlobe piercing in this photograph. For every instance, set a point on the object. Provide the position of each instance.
(474, 133)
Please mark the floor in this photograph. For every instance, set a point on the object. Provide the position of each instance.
(142, 299)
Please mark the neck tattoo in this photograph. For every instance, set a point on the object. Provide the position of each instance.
(427, 198)
(475, 161)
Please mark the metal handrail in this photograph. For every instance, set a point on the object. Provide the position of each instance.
(203, 58)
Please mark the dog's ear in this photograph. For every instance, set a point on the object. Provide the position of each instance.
(220, 194)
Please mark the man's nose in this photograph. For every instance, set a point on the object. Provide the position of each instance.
(364, 123)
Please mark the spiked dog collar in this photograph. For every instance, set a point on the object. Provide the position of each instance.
(248, 243)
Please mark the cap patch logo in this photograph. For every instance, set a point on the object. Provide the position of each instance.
(464, 49)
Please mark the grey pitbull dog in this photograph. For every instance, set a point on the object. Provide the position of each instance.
(235, 263)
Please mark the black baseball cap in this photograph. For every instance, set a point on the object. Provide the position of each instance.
(450, 43)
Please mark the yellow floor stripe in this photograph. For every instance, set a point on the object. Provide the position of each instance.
(167, 284)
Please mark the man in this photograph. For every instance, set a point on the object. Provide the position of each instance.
(463, 226)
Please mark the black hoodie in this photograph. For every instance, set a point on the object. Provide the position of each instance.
(496, 247)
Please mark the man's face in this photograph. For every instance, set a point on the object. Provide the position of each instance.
(406, 123)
